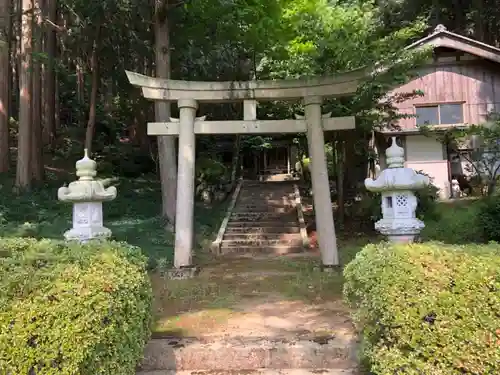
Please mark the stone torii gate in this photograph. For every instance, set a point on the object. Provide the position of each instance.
(188, 94)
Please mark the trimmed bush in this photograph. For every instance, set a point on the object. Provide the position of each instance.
(72, 309)
(427, 308)
(457, 224)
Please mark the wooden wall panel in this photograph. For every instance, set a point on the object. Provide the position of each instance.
(476, 84)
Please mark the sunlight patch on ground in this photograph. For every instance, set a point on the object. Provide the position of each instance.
(250, 296)
(194, 323)
(264, 316)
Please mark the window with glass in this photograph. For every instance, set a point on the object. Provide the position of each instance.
(441, 114)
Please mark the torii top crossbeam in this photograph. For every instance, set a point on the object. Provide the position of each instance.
(343, 84)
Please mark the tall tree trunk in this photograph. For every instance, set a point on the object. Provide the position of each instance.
(13, 86)
(60, 50)
(80, 81)
(491, 187)
(15, 57)
(94, 64)
(235, 167)
(137, 132)
(166, 144)
(479, 21)
(4, 84)
(108, 96)
(370, 168)
(339, 152)
(36, 104)
(49, 92)
(23, 171)
(305, 175)
(140, 131)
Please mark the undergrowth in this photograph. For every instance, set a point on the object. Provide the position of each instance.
(134, 216)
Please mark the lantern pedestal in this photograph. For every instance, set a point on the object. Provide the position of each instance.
(87, 222)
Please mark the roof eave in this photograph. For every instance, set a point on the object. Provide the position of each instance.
(445, 38)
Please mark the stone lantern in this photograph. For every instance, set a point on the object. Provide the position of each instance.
(86, 195)
(399, 203)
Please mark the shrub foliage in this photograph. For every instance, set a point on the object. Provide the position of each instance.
(456, 224)
(462, 222)
(71, 309)
(489, 218)
(427, 308)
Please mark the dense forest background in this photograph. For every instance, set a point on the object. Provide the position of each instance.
(63, 85)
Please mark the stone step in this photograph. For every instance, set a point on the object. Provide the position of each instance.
(264, 191)
(269, 188)
(247, 353)
(262, 230)
(265, 204)
(265, 201)
(291, 371)
(282, 211)
(261, 242)
(281, 176)
(268, 185)
(258, 221)
(257, 224)
(259, 236)
(278, 249)
(270, 216)
(264, 208)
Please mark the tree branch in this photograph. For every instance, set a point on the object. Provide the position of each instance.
(496, 170)
(54, 26)
(469, 160)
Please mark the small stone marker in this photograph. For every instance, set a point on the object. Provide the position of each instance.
(399, 203)
(456, 192)
(86, 195)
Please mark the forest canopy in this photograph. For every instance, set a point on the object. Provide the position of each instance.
(63, 83)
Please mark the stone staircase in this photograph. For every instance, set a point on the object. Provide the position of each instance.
(264, 221)
(249, 357)
(264, 335)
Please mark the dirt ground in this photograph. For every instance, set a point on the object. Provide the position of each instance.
(278, 297)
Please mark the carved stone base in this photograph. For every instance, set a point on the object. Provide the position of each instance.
(87, 223)
(182, 273)
(402, 238)
(87, 233)
(400, 230)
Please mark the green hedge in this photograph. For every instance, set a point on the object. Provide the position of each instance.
(457, 224)
(71, 309)
(427, 308)
(488, 218)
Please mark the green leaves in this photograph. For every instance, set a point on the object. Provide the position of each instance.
(227, 40)
(427, 308)
(68, 309)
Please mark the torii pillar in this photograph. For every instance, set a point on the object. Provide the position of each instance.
(325, 225)
(184, 231)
